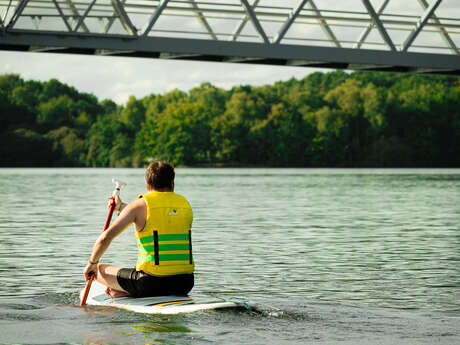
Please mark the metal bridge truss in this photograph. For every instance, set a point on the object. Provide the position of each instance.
(413, 36)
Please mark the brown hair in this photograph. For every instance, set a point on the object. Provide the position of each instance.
(160, 174)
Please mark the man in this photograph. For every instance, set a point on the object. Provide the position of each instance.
(163, 221)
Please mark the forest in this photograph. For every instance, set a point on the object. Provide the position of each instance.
(335, 119)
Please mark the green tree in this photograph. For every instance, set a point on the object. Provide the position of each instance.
(121, 151)
(108, 107)
(283, 137)
(181, 134)
(24, 148)
(133, 115)
(156, 104)
(230, 131)
(56, 111)
(26, 96)
(324, 119)
(68, 146)
(100, 141)
(54, 89)
(8, 82)
(332, 145)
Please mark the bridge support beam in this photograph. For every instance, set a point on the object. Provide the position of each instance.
(207, 50)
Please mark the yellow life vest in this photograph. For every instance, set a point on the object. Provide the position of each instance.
(165, 244)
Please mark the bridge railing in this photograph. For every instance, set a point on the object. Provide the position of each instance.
(412, 26)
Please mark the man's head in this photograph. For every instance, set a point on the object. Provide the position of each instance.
(160, 176)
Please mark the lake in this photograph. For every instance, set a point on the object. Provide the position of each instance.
(322, 255)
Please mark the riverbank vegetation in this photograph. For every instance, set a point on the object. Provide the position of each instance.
(335, 119)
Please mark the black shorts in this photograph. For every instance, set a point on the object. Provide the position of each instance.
(141, 284)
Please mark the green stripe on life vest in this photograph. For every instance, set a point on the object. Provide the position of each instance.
(164, 247)
(178, 246)
(146, 239)
(174, 257)
(164, 237)
(172, 237)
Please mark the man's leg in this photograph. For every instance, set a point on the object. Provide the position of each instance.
(107, 275)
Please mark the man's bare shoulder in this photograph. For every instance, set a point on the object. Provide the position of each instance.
(138, 202)
(137, 205)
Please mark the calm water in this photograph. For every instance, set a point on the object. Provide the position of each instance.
(324, 256)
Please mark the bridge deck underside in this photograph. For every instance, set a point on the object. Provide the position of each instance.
(416, 36)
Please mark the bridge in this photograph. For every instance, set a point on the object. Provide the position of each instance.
(410, 36)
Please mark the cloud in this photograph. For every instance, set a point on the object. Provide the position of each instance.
(117, 78)
(121, 97)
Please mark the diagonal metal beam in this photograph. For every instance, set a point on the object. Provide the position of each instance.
(250, 13)
(112, 19)
(445, 36)
(202, 19)
(1, 22)
(378, 24)
(82, 18)
(75, 12)
(287, 24)
(62, 16)
(420, 24)
(123, 16)
(37, 21)
(17, 13)
(154, 17)
(368, 30)
(242, 24)
(326, 28)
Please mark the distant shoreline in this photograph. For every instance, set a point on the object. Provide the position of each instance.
(336, 119)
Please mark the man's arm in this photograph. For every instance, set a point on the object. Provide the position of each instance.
(131, 213)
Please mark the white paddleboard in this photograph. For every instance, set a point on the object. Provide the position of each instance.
(156, 305)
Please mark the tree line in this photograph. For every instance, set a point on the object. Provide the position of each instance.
(335, 119)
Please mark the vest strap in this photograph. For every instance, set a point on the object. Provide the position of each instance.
(190, 246)
(156, 250)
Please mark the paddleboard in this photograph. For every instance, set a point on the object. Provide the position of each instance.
(157, 305)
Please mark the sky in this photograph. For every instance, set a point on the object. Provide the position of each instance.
(117, 78)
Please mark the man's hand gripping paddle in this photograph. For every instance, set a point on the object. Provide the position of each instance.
(118, 185)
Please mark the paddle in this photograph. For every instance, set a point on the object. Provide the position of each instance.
(118, 185)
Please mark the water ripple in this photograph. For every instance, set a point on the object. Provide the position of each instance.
(387, 238)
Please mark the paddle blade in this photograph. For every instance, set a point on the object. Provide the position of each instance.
(86, 292)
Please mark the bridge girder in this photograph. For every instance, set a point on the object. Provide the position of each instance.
(238, 31)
